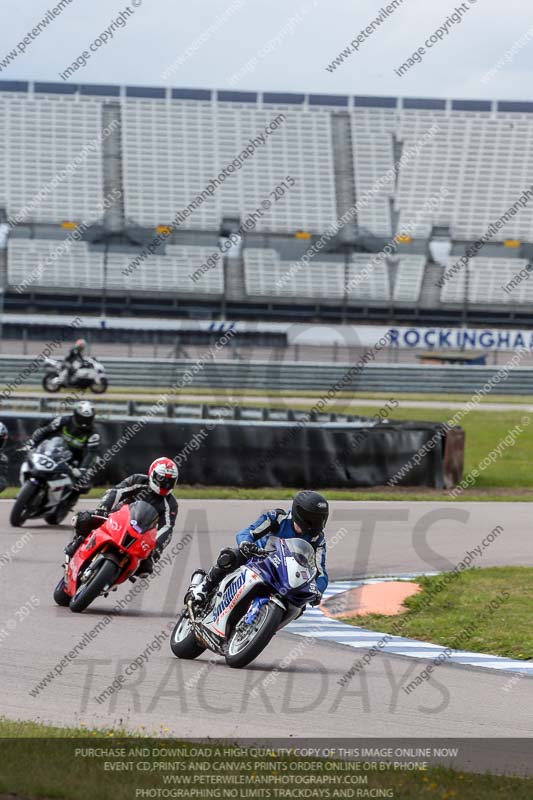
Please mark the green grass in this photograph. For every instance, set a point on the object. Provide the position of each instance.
(280, 394)
(184, 492)
(443, 613)
(40, 761)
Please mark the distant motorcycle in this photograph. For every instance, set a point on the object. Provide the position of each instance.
(251, 604)
(46, 478)
(91, 375)
(109, 555)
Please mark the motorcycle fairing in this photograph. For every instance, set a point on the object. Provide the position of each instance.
(280, 569)
(116, 533)
(233, 588)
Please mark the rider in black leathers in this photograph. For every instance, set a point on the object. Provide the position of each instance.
(77, 431)
(154, 488)
(74, 358)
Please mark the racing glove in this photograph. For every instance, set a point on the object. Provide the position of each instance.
(249, 549)
(317, 600)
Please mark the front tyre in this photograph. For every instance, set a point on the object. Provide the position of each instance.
(248, 640)
(60, 595)
(104, 577)
(23, 505)
(51, 382)
(99, 387)
(183, 642)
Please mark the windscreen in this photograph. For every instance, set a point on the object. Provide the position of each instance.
(303, 553)
(55, 448)
(143, 516)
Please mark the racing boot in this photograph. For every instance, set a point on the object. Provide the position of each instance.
(200, 587)
(145, 568)
(73, 545)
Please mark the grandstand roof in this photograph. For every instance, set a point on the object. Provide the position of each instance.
(277, 98)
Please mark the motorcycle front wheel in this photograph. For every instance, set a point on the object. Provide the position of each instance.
(51, 382)
(104, 577)
(183, 642)
(246, 641)
(60, 595)
(23, 505)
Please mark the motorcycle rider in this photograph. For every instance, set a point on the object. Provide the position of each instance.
(3, 458)
(77, 431)
(73, 361)
(154, 488)
(306, 520)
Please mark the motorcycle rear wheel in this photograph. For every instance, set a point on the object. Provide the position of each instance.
(105, 576)
(247, 641)
(183, 642)
(22, 507)
(100, 387)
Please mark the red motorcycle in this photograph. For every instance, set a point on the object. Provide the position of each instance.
(109, 555)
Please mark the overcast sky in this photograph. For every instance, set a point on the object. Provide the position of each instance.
(213, 44)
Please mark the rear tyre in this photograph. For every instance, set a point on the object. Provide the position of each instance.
(247, 641)
(23, 505)
(102, 579)
(51, 382)
(183, 642)
(60, 595)
(100, 387)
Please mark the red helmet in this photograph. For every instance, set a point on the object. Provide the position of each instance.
(162, 475)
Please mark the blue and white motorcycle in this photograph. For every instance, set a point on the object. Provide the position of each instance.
(250, 605)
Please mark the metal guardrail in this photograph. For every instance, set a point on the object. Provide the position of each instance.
(276, 375)
(183, 411)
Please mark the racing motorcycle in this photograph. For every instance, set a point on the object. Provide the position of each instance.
(46, 478)
(250, 605)
(91, 375)
(109, 555)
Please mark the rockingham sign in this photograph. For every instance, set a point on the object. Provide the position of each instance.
(310, 333)
(466, 338)
(424, 338)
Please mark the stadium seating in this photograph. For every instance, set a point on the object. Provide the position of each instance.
(175, 141)
(170, 273)
(374, 157)
(40, 140)
(409, 278)
(82, 268)
(487, 279)
(484, 162)
(174, 144)
(76, 266)
(365, 278)
(173, 150)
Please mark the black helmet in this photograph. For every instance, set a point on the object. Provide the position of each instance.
(310, 511)
(3, 435)
(83, 416)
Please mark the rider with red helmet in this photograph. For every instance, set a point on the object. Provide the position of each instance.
(154, 488)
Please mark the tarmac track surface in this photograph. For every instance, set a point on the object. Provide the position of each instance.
(303, 698)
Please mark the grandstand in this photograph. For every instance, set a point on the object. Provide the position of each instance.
(379, 161)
